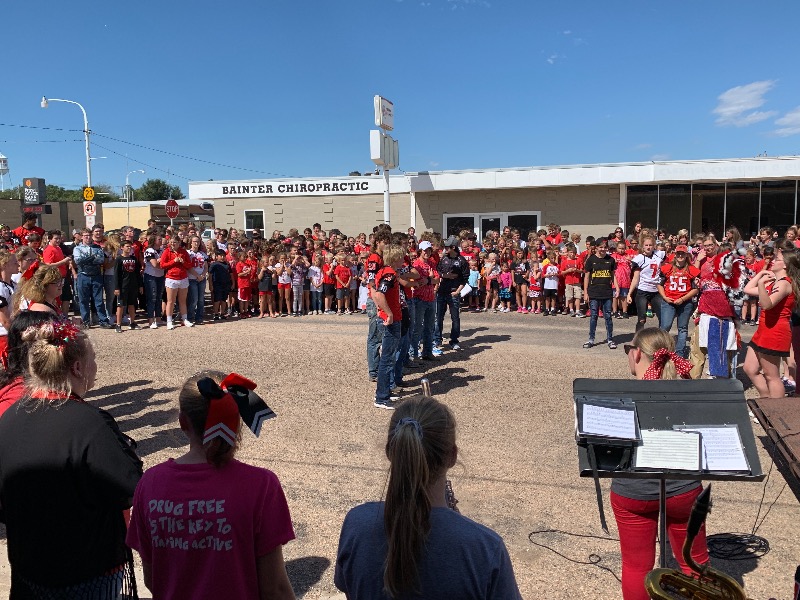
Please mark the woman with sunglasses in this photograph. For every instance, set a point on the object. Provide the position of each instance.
(635, 501)
(777, 288)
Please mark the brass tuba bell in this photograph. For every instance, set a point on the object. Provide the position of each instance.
(704, 583)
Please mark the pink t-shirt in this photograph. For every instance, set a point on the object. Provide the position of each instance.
(202, 528)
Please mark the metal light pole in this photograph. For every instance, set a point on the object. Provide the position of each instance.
(128, 192)
(86, 132)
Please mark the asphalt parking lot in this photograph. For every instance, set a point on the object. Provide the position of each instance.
(510, 389)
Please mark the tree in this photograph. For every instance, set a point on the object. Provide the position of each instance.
(157, 189)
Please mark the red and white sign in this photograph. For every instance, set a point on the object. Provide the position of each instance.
(172, 209)
(89, 208)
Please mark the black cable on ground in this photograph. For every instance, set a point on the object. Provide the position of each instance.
(593, 559)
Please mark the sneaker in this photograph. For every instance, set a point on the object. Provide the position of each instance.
(575, 314)
(383, 405)
(588, 344)
(118, 328)
(437, 351)
(223, 317)
(170, 325)
(348, 312)
(134, 326)
(611, 345)
(538, 311)
(187, 323)
(455, 346)
(429, 357)
(525, 311)
(583, 315)
(753, 323)
(154, 325)
(649, 314)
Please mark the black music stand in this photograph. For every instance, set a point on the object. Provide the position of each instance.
(660, 405)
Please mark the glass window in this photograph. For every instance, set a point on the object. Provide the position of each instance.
(674, 202)
(708, 207)
(777, 205)
(642, 206)
(525, 223)
(454, 224)
(741, 207)
(489, 223)
(253, 219)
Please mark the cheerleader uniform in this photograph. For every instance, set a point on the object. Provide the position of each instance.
(774, 333)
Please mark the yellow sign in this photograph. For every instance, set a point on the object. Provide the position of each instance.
(88, 194)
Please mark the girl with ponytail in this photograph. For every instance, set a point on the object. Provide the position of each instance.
(413, 545)
(205, 524)
(651, 355)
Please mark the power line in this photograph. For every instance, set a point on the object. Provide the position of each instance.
(139, 162)
(36, 141)
(208, 162)
(37, 127)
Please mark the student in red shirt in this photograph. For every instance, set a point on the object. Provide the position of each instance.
(381, 238)
(677, 288)
(27, 228)
(386, 296)
(243, 274)
(176, 262)
(572, 271)
(342, 274)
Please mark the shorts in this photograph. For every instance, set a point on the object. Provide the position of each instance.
(573, 291)
(768, 351)
(127, 297)
(262, 294)
(329, 290)
(623, 292)
(220, 295)
(549, 293)
(520, 279)
(505, 293)
(284, 286)
(494, 285)
(245, 294)
(534, 293)
(475, 292)
(749, 298)
(306, 285)
(342, 293)
(176, 284)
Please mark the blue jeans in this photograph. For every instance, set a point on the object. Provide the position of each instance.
(595, 305)
(374, 338)
(91, 291)
(196, 300)
(442, 303)
(109, 285)
(153, 289)
(424, 318)
(316, 300)
(405, 344)
(390, 343)
(683, 312)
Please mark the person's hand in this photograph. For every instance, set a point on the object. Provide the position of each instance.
(141, 290)
(389, 319)
(455, 294)
(630, 298)
(677, 302)
(701, 255)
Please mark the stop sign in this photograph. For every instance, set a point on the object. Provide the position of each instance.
(172, 209)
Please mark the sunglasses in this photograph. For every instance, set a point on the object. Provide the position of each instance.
(628, 348)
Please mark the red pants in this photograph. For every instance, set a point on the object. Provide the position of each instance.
(637, 522)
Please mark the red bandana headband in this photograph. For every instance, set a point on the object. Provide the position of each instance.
(660, 358)
(231, 400)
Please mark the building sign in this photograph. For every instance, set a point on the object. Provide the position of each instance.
(309, 187)
(35, 191)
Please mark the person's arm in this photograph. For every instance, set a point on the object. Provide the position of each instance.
(273, 581)
(379, 298)
(586, 285)
(663, 294)
(752, 286)
(5, 319)
(767, 300)
(634, 283)
(117, 276)
(167, 259)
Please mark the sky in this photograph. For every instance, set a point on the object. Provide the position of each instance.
(262, 89)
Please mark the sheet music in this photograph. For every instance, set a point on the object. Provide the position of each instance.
(722, 447)
(609, 422)
(668, 449)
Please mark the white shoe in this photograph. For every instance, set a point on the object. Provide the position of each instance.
(170, 325)
(187, 323)
(153, 325)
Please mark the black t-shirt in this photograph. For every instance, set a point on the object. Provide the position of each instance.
(66, 474)
(601, 276)
(128, 272)
(458, 266)
(265, 283)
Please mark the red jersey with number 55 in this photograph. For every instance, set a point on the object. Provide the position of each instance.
(677, 282)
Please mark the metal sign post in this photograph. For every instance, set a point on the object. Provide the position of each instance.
(384, 150)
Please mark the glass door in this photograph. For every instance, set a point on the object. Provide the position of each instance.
(489, 223)
(455, 224)
(525, 222)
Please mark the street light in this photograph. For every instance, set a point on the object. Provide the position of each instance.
(128, 192)
(86, 132)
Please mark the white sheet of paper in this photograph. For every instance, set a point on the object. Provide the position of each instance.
(466, 290)
(609, 422)
(722, 448)
(668, 449)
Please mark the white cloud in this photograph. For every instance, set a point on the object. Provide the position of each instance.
(790, 123)
(552, 59)
(658, 157)
(567, 32)
(737, 105)
(433, 164)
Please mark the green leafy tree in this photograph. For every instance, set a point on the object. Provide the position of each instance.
(157, 189)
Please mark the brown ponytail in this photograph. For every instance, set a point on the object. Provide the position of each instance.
(419, 446)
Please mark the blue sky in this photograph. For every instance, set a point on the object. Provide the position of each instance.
(285, 87)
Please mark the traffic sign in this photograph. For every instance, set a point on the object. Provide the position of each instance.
(172, 209)
(89, 208)
(90, 221)
(88, 194)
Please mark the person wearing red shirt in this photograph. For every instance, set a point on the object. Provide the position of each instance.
(28, 227)
(342, 274)
(386, 296)
(424, 301)
(572, 270)
(243, 275)
(176, 262)
(53, 255)
(381, 238)
(677, 288)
